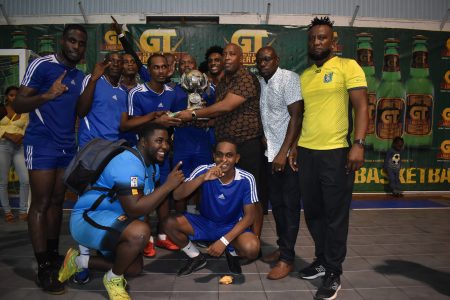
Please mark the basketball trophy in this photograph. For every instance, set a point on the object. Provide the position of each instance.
(195, 83)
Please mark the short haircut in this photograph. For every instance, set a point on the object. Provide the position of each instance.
(321, 21)
(11, 88)
(397, 139)
(227, 140)
(149, 61)
(148, 129)
(73, 27)
(109, 54)
(213, 49)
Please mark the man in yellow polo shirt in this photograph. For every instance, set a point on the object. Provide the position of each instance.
(326, 157)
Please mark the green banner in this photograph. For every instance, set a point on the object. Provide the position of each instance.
(411, 99)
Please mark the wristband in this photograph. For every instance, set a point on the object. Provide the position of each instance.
(121, 35)
(224, 241)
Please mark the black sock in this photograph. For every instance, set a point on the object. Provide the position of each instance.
(52, 247)
(42, 258)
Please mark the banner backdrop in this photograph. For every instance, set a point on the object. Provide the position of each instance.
(411, 99)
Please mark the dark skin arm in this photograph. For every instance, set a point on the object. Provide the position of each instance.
(358, 98)
(229, 103)
(217, 248)
(125, 44)
(27, 100)
(296, 112)
(128, 123)
(84, 103)
(139, 205)
(293, 151)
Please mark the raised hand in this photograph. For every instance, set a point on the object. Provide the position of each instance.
(115, 26)
(215, 172)
(99, 69)
(57, 88)
(175, 177)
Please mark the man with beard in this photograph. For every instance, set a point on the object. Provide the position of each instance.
(105, 101)
(327, 159)
(237, 116)
(226, 212)
(281, 111)
(113, 225)
(49, 92)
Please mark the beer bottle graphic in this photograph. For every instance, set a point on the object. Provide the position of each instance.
(46, 45)
(419, 98)
(390, 108)
(364, 57)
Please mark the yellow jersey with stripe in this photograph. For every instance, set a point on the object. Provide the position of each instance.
(327, 119)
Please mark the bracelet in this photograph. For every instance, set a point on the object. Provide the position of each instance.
(121, 35)
(224, 241)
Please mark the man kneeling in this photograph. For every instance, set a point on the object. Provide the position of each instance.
(227, 211)
(115, 226)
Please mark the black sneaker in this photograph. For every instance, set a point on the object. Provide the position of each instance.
(203, 244)
(192, 265)
(312, 271)
(233, 263)
(56, 260)
(47, 279)
(330, 287)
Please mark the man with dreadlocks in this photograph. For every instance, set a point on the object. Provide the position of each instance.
(327, 160)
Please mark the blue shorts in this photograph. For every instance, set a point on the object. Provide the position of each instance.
(43, 158)
(98, 230)
(191, 161)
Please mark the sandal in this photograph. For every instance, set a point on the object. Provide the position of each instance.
(9, 217)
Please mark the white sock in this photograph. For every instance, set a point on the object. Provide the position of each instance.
(162, 237)
(83, 250)
(82, 261)
(151, 239)
(110, 275)
(190, 250)
(233, 253)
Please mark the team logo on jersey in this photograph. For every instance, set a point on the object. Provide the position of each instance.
(114, 97)
(221, 196)
(73, 82)
(328, 77)
(161, 105)
(133, 182)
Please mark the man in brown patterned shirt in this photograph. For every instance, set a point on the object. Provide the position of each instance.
(237, 115)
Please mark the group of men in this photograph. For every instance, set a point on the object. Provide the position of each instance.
(304, 124)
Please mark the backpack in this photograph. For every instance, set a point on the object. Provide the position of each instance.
(90, 161)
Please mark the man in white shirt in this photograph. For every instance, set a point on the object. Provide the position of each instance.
(281, 114)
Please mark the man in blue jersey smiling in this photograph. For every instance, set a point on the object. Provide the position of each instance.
(49, 92)
(227, 210)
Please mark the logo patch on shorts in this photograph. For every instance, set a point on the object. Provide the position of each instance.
(122, 218)
(133, 182)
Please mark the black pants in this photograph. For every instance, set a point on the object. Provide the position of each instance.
(250, 161)
(284, 195)
(326, 195)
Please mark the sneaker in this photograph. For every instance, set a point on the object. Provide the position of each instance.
(149, 250)
(312, 271)
(69, 267)
(47, 279)
(81, 277)
(233, 263)
(167, 244)
(330, 287)
(116, 288)
(192, 265)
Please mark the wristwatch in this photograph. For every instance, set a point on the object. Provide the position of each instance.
(194, 115)
(360, 142)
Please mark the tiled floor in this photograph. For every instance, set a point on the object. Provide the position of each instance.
(392, 254)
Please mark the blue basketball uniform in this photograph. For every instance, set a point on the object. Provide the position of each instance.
(103, 120)
(143, 100)
(192, 145)
(222, 205)
(49, 141)
(100, 229)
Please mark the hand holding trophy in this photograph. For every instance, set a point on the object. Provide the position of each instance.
(195, 83)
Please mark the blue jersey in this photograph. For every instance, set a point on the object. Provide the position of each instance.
(144, 74)
(130, 135)
(224, 203)
(125, 172)
(143, 100)
(192, 139)
(103, 120)
(52, 124)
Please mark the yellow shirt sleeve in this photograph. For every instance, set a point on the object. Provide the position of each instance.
(354, 75)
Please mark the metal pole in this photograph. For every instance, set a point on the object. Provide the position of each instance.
(83, 12)
(268, 13)
(444, 20)
(355, 12)
(4, 14)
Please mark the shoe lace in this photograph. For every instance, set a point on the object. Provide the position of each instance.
(119, 287)
(330, 281)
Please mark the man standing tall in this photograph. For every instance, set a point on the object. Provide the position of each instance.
(49, 92)
(327, 159)
(281, 111)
